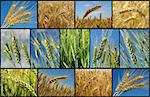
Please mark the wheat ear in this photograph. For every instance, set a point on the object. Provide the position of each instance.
(91, 10)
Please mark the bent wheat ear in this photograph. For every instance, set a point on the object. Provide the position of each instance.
(141, 85)
(91, 10)
(57, 79)
(19, 21)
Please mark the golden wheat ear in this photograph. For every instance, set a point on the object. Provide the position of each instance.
(57, 79)
(91, 10)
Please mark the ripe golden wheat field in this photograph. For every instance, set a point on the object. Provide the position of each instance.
(130, 14)
(93, 82)
(54, 14)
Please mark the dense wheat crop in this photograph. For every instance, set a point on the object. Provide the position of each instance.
(104, 48)
(130, 14)
(74, 48)
(15, 48)
(92, 14)
(93, 82)
(18, 82)
(93, 23)
(45, 48)
(135, 80)
(134, 48)
(19, 14)
(54, 14)
(52, 85)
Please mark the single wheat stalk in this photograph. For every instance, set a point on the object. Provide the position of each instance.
(95, 55)
(16, 49)
(57, 79)
(91, 10)
(48, 49)
(101, 49)
(141, 85)
(19, 21)
(131, 50)
(10, 13)
(26, 55)
(131, 10)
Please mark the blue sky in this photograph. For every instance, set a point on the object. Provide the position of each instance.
(5, 6)
(61, 72)
(82, 6)
(118, 73)
(96, 34)
(53, 32)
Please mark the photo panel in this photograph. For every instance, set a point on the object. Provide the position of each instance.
(56, 14)
(74, 48)
(56, 82)
(134, 48)
(93, 14)
(130, 82)
(93, 82)
(45, 50)
(18, 82)
(15, 48)
(130, 14)
(104, 48)
(19, 14)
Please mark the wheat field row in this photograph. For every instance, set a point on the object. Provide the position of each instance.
(75, 48)
(75, 14)
(78, 82)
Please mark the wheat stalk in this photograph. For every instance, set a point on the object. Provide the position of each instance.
(91, 10)
(20, 21)
(14, 19)
(25, 51)
(101, 49)
(57, 79)
(16, 49)
(141, 85)
(10, 13)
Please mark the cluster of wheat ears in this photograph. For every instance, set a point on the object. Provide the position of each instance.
(45, 48)
(105, 53)
(18, 82)
(13, 50)
(18, 13)
(133, 48)
(132, 79)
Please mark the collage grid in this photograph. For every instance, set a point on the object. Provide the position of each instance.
(45, 65)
